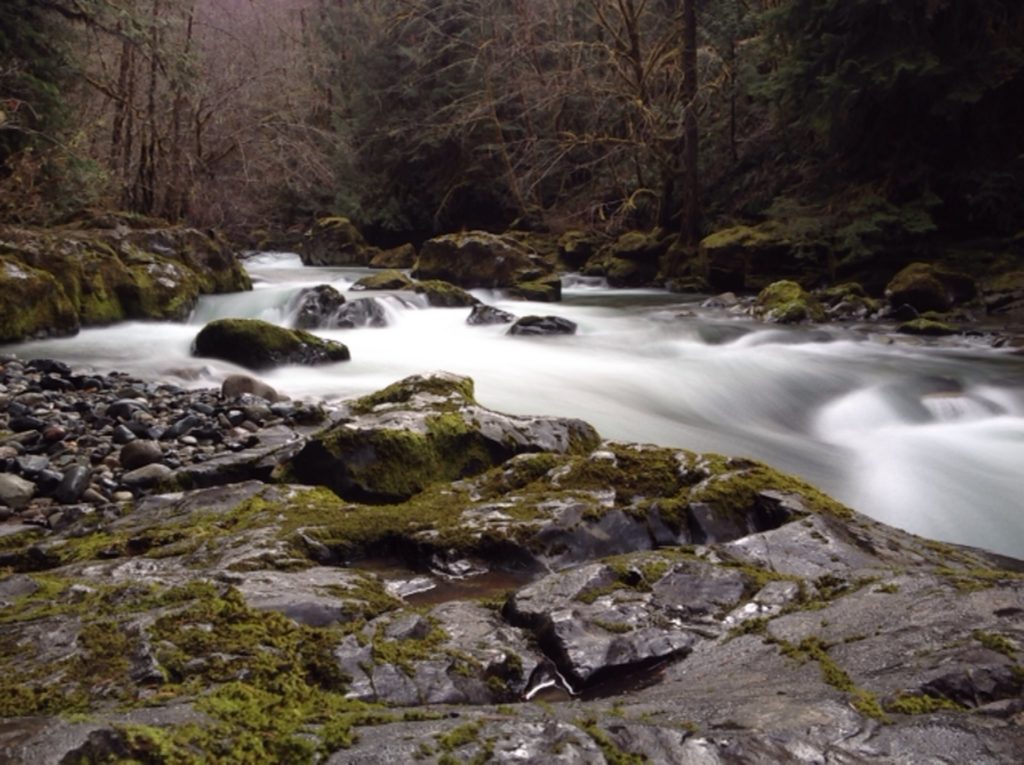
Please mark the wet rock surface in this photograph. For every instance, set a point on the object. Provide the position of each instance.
(564, 600)
(258, 344)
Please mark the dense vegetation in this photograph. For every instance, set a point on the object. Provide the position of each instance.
(862, 126)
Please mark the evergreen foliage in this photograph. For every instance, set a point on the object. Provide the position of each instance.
(915, 94)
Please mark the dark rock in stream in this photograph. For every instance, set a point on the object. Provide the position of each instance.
(543, 325)
(258, 345)
(666, 606)
(488, 314)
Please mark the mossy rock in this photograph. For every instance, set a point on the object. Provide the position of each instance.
(159, 289)
(546, 290)
(258, 344)
(421, 431)
(632, 260)
(119, 273)
(787, 302)
(475, 259)
(441, 294)
(403, 256)
(927, 327)
(385, 280)
(335, 241)
(575, 248)
(929, 287)
(33, 303)
(752, 257)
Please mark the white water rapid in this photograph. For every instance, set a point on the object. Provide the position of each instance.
(927, 438)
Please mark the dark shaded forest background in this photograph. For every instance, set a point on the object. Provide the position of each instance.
(848, 124)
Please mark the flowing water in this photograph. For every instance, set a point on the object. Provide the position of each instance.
(925, 437)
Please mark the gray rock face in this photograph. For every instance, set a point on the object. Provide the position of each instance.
(686, 608)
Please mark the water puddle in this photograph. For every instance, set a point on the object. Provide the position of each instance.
(432, 587)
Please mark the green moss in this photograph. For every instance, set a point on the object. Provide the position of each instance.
(921, 704)
(32, 301)
(545, 290)
(814, 649)
(442, 294)
(616, 628)
(404, 654)
(787, 302)
(995, 642)
(389, 279)
(613, 753)
(456, 391)
(258, 344)
(736, 491)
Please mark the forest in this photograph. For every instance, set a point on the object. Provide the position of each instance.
(858, 126)
(597, 382)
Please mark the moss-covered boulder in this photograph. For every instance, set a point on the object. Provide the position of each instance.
(258, 344)
(32, 302)
(632, 260)
(441, 294)
(159, 288)
(787, 302)
(576, 247)
(403, 256)
(335, 241)
(927, 327)
(479, 259)
(847, 301)
(752, 257)
(386, 280)
(929, 287)
(545, 290)
(421, 431)
(115, 272)
(1004, 294)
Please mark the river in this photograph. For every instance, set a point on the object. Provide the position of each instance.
(926, 437)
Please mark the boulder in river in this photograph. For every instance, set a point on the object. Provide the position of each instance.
(385, 280)
(403, 256)
(479, 259)
(488, 314)
(929, 287)
(259, 345)
(316, 306)
(543, 325)
(335, 241)
(58, 278)
(787, 302)
(363, 312)
(422, 430)
(632, 260)
(547, 289)
(441, 294)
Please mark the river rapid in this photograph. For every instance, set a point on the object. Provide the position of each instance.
(926, 437)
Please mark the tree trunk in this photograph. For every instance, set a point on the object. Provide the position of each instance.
(690, 182)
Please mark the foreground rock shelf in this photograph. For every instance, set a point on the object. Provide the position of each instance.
(662, 605)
